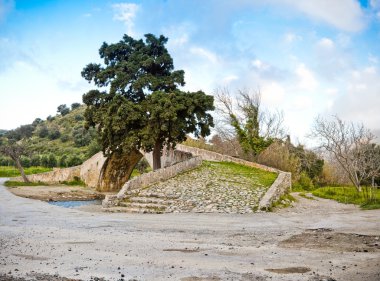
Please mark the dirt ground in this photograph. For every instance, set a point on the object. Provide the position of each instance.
(56, 193)
(314, 240)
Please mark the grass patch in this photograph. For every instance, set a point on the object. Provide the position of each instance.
(21, 183)
(284, 201)
(8, 171)
(229, 168)
(75, 182)
(348, 195)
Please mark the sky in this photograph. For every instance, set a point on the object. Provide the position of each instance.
(307, 58)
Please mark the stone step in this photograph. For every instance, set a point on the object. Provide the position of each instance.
(158, 195)
(120, 209)
(143, 205)
(141, 210)
(156, 200)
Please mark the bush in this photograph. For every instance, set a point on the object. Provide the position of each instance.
(50, 118)
(54, 134)
(93, 148)
(64, 138)
(25, 161)
(305, 181)
(74, 161)
(6, 161)
(52, 161)
(81, 136)
(43, 132)
(35, 160)
(62, 161)
(63, 109)
(78, 117)
(75, 105)
(45, 161)
(142, 166)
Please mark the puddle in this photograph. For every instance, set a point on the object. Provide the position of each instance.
(75, 204)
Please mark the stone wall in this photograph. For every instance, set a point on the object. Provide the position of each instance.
(151, 178)
(55, 176)
(169, 157)
(214, 156)
(280, 186)
(90, 170)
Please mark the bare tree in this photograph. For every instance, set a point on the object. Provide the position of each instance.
(347, 142)
(244, 119)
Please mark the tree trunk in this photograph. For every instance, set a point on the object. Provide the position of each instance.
(157, 156)
(117, 170)
(21, 169)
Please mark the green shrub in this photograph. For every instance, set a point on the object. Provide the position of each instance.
(54, 134)
(74, 160)
(64, 138)
(52, 161)
(35, 160)
(305, 181)
(62, 161)
(43, 131)
(25, 161)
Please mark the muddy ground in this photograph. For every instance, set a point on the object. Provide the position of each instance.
(314, 240)
(56, 193)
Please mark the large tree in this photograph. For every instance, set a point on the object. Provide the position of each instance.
(139, 105)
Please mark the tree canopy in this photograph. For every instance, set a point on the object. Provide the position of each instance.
(138, 103)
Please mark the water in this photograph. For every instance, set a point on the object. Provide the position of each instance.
(74, 204)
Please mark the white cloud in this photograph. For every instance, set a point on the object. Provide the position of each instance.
(205, 54)
(179, 35)
(326, 43)
(331, 91)
(229, 79)
(303, 102)
(343, 14)
(291, 37)
(126, 12)
(258, 64)
(272, 93)
(306, 79)
(360, 98)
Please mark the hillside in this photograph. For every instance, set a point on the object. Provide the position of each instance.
(60, 140)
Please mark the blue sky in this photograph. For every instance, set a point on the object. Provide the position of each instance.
(306, 57)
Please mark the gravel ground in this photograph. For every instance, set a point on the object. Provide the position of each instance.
(315, 240)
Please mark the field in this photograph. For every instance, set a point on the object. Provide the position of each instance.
(9, 171)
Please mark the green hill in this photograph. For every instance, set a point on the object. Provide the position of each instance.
(60, 140)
